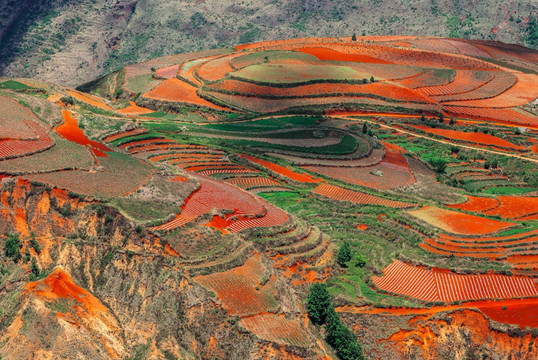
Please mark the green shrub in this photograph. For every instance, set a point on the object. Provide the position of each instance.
(12, 247)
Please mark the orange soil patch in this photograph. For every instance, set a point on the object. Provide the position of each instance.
(215, 69)
(59, 285)
(134, 109)
(390, 173)
(236, 288)
(338, 193)
(458, 223)
(248, 211)
(276, 329)
(476, 203)
(180, 178)
(125, 134)
(443, 285)
(90, 99)
(470, 137)
(514, 207)
(287, 173)
(179, 91)
(72, 132)
(513, 314)
(167, 72)
(362, 227)
(323, 53)
(524, 91)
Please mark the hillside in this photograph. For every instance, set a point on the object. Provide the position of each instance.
(73, 42)
(314, 198)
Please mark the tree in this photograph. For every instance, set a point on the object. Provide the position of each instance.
(341, 338)
(441, 117)
(318, 303)
(422, 118)
(364, 81)
(452, 121)
(372, 79)
(34, 270)
(439, 165)
(364, 129)
(344, 254)
(12, 247)
(354, 37)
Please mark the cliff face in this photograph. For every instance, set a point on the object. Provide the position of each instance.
(110, 291)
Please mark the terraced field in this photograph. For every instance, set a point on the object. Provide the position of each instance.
(399, 172)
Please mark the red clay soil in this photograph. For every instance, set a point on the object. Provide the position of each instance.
(524, 91)
(323, 53)
(476, 204)
(167, 72)
(428, 338)
(72, 132)
(180, 91)
(89, 99)
(514, 207)
(237, 288)
(459, 223)
(509, 116)
(125, 134)
(59, 285)
(215, 69)
(341, 194)
(134, 109)
(513, 314)
(470, 137)
(381, 89)
(15, 148)
(287, 173)
(442, 285)
(276, 329)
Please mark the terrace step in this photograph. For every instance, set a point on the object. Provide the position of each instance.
(300, 230)
(310, 255)
(313, 239)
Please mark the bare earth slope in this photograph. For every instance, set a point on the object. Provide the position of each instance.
(56, 40)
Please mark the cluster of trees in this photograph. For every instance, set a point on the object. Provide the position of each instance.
(12, 250)
(321, 312)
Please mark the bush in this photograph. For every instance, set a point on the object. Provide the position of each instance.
(12, 247)
(34, 244)
(360, 261)
(318, 303)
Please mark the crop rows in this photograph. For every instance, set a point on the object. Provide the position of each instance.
(272, 217)
(251, 182)
(14, 148)
(14, 119)
(276, 329)
(441, 285)
(338, 193)
(236, 288)
(501, 82)
(504, 115)
(215, 195)
(464, 81)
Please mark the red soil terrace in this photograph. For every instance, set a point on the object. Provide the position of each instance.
(72, 132)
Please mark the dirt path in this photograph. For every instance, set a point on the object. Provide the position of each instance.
(439, 140)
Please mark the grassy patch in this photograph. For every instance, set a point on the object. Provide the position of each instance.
(14, 85)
